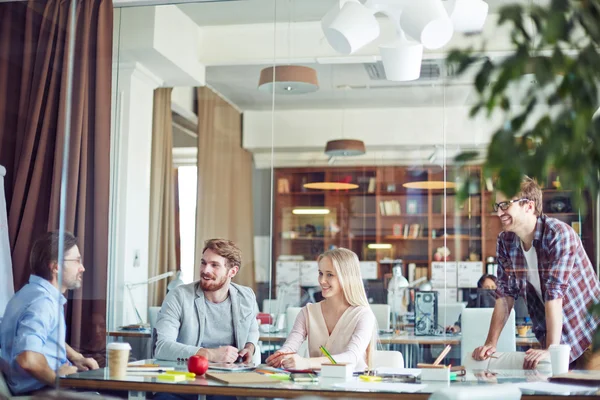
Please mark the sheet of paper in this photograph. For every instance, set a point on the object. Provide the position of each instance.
(398, 371)
(443, 274)
(558, 388)
(469, 273)
(382, 386)
(309, 273)
(368, 269)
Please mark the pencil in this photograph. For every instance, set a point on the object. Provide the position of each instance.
(326, 354)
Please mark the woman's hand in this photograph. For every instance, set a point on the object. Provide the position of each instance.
(274, 360)
(294, 361)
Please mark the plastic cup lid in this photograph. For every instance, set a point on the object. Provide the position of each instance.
(118, 346)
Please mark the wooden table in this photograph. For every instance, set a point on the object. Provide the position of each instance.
(136, 334)
(139, 385)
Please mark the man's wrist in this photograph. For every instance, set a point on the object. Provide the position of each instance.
(204, 353)
(77, 357)
(251, 348)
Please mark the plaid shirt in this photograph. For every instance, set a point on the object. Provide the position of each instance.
(565, 272)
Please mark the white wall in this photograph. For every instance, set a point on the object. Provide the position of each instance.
(153, 47)
(133, 137)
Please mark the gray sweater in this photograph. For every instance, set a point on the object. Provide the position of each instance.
(181, 322)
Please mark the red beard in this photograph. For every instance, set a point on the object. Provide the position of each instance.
(212, 285)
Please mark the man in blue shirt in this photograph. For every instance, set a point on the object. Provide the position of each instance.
(32, 333)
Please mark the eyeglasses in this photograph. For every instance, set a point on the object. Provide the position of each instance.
(504, 205)
(78, 260)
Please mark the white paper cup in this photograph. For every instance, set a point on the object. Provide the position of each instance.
(559, 357)
(467, 16)
(351, 28)
(427, 22)
(118, 357)
(401, 60)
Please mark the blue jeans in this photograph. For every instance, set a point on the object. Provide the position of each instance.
(173, 396)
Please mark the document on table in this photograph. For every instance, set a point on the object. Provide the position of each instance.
(556, 388)
(398, 371)
(382, 386)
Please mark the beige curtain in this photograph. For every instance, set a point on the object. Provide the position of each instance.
(224, 207)
(161, 246)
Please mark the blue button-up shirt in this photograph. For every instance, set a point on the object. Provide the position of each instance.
(33, 321)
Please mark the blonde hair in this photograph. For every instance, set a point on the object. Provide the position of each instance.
(531, 190)
(347, 267)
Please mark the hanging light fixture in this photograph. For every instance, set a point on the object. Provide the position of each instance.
(345, 147)
(288, 79)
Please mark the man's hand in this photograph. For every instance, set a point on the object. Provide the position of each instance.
(226, 354)
(247, 352)
(533, 357)
(453, 329)
(294, 361)
(483, 352)
(85, 364)
(66, 369)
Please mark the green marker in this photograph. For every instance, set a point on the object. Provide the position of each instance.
(326, 354)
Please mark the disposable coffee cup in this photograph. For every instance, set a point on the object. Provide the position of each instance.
(118, 356)
(559, 357)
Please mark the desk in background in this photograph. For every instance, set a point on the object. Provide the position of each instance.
(140, 341)
(411, 346)
(137, 386)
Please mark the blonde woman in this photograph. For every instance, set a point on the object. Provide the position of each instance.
(343, 322)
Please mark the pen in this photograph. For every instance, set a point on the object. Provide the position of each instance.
(326, 354)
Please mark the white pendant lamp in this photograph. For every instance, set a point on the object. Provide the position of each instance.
(427, 22)
(401, 59)
(467, 16)
(350, 27)
(288, 79)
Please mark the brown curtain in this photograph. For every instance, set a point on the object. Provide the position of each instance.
(34, 40)
(161, 245)
(224, 181)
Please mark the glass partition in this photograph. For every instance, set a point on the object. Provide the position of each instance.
(239, 120)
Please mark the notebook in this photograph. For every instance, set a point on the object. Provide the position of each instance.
(241, 378)
(231, 367)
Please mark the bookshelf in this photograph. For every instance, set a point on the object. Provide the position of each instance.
(413, 222)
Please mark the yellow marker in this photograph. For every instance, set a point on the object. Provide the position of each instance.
(186, 374)
(370, 378)
(326, 354)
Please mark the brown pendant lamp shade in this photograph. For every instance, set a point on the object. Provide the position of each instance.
(345, 147)
(288, 79)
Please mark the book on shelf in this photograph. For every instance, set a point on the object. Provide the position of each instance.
(414, 231)
(390, 207)
(406, 229)
(372, 184)
(283, 185)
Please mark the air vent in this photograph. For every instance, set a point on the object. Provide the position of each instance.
(430, 70)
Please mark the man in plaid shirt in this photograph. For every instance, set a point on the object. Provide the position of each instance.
(542, 259)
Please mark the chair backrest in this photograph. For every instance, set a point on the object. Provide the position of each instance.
(388, 359)
(448, 313)
(290, 317)
(382, 315)
(152, 315)
(475, 327)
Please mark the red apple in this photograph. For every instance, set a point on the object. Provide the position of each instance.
(198, 365)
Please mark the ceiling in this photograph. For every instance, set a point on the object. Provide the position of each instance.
(233, 12)
(341, 86)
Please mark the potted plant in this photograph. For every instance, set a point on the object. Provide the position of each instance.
(552, 124)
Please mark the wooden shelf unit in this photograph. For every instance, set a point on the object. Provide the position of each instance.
(379, 210)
